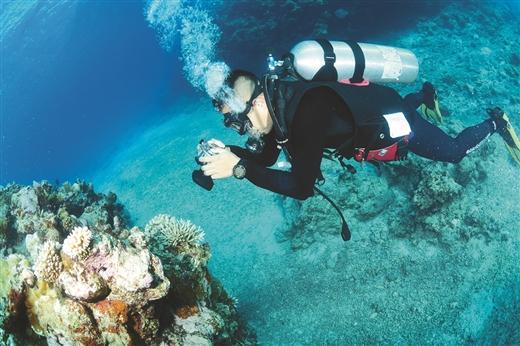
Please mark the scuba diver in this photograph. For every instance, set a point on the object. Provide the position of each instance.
(314, 117)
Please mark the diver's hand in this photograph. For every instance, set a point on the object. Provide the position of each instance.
(220, 165)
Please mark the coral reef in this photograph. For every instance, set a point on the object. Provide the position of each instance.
(77, 276)
(48, 265)
(77, 243)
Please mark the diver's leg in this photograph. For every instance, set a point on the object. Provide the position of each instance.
(431, 142)
(427, 101)
(414, 100)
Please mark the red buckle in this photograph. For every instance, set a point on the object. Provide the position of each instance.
(363, 83)
(359, 154)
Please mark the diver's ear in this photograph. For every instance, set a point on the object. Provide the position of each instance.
(259, 100)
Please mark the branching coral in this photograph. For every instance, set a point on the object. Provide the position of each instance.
(178, 243)
(48, 265)
(77, 244)
(175, 232)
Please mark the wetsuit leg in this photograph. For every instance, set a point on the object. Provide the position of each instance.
(431, 142)
(414, 100)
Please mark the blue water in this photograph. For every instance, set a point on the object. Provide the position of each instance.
(76, 79)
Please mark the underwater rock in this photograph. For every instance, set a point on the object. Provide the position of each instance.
(363, 196)
(15, 273)
(435, 190)
(25, 200)
(61, 320)
(199, 326)
(68, 221)
(54, 212)
(341, 13)
(82, 284)
(95, 215)
(111, 317)
(96, 282)
(4, 223)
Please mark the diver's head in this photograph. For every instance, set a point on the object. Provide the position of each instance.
(243, 104)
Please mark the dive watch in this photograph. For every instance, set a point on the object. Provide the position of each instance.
(239, 171)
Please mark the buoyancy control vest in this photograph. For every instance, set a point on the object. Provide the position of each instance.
(381, 124)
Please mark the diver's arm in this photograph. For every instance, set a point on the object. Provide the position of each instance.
(266, 158)
(298, 183)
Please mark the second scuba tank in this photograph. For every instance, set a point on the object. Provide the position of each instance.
(346, 61)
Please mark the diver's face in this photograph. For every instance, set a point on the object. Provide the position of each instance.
(260, 123)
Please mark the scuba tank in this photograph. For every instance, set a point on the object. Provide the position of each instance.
(351, 62)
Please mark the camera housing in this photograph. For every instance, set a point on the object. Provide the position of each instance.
(204, 149)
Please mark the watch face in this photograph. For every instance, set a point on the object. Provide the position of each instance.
(239, 171)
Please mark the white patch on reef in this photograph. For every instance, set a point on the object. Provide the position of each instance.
(81, 284)
(203, 324)
(26, 200)
(128, 269)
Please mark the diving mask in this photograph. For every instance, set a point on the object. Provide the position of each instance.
(238, 121)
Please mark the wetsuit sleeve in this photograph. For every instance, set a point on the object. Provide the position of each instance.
(266, 158)
(298, 183)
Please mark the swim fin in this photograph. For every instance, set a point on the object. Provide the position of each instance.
(430, 106)
(506, 131)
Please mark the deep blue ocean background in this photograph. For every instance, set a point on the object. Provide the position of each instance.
(77, 78)
(110, 92)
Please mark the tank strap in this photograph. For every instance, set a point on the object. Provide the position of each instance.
(359, 59)
(328, 71)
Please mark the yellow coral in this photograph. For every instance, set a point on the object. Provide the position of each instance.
(48, 265)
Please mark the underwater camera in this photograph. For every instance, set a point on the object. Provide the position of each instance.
(204, 149)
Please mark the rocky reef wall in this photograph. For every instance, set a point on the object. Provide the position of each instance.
(74, 273)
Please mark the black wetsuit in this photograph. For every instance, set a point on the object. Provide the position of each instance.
(323, 120)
